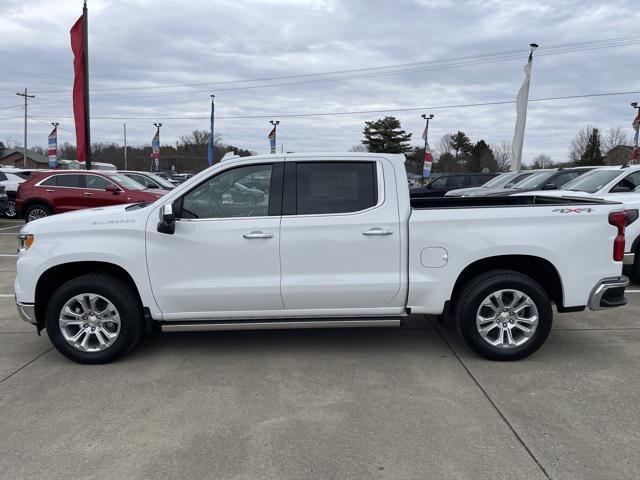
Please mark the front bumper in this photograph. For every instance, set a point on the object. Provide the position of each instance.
(27, 312)
(608, 293)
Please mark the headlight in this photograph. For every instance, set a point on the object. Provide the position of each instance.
(24, 242)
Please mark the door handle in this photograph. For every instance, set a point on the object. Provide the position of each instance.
(50, 191)
(376, 232)
(88, 193)
(258, 235)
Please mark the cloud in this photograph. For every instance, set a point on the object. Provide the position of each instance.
(151, 43)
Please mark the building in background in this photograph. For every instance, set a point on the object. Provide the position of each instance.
(618, 155)
(13, 157)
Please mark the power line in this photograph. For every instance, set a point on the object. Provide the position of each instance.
(480, 59)
(359, 112)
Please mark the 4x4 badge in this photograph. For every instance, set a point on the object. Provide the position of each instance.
(573, 210)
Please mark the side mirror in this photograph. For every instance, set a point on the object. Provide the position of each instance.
(167, 223)
(113, 189)
(550, 186)
(620, 189)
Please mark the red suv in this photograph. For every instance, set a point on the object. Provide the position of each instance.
(59, 191)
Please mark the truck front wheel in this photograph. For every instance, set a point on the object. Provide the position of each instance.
(504, 315)
(94, 318)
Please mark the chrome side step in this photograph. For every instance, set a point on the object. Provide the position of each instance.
(208, 325)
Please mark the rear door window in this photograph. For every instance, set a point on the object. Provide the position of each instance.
(455, 181)
(335, 187)
(70, 181)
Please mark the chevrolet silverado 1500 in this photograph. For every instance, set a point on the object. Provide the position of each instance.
(319, 240)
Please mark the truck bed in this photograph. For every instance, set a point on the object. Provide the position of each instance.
(501, 201)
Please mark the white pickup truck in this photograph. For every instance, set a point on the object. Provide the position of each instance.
(317, 240)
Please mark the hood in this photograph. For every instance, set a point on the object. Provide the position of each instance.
(484, 192)
(555, 193)
(462, 192)
(112, 216)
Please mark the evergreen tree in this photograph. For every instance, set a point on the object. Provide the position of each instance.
(386, 136)
(481, 158)
(592, 154)
(461, 145)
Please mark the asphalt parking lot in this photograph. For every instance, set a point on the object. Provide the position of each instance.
(405, 403)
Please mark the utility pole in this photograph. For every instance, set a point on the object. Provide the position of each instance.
(26, 99)
(125, 146)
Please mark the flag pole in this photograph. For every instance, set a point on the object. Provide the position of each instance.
(211, 145)
(85, 16)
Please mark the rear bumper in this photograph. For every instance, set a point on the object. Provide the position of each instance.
(608, 293)
(27, 312)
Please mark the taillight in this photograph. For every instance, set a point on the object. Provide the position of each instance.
(618, 220)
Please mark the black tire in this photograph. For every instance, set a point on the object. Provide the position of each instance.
(635, 268)
(32, 208)
(11, 207)
(119, 293)
(478, 289)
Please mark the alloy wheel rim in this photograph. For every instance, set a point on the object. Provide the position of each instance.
(89, 322)
(507, 319)
(37, 213)
(11, 209)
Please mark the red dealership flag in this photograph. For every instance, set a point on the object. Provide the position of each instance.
(81, 87)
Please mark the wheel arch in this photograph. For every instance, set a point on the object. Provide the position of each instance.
(54, 277)
(538, 268)
(35, 201)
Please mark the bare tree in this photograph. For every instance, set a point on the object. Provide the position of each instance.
(358, 148)
(444, 145)
(615, 136)
(579, 144)
(502, 152)
(542, 161)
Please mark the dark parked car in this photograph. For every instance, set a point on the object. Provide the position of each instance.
(59, 191)
(504, 180)
(148, 180)
(442, 184)
(3, 200)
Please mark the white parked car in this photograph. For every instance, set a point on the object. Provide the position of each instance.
(619, 184)
(10, 178)
(337, 243)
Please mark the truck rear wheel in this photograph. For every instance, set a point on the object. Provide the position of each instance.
(504, 315)
(94, 318)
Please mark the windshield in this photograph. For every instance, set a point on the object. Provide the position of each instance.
(161, 181)
(535, 181)
(591, 181)
(500, 180)
(125, 181)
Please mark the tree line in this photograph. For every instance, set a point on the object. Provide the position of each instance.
(455, 152)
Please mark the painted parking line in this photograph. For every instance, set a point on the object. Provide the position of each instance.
(8, 255)
(632, 291)
(6, 295)
(11, 226)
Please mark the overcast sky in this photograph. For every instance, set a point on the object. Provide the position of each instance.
(155, 43)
